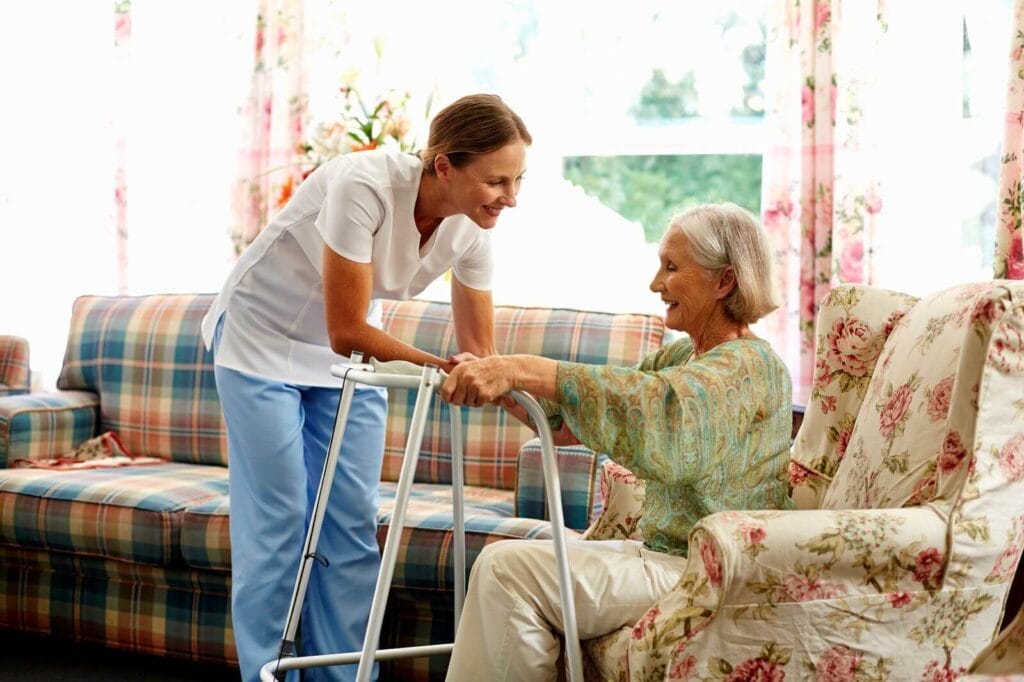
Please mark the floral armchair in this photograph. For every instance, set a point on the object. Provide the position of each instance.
(1003, 659)
(907, 476)
(14, 374)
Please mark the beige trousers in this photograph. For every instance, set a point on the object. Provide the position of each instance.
(512, 618)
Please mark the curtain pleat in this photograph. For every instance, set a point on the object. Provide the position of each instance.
(1009, 256)
(821, 198)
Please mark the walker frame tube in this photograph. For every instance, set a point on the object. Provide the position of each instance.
(287, 647)
(429, 381)
(397, 525)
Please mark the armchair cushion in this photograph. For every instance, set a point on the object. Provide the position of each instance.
(853, 323)
(622, 494)
(922, 400)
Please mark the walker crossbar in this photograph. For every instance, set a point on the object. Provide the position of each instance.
(426, 380)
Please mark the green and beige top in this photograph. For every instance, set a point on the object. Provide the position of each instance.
(707, 433)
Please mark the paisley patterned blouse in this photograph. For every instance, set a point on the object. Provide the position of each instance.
(707, 433)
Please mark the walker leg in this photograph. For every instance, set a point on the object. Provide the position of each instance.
(287, 647)
(389, 556)
(458, 513)
(553, 493)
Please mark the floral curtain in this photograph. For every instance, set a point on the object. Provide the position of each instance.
(273, 120)
(1009, 256)
(122, 90)
(821, 199)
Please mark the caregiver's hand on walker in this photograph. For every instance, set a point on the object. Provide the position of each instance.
(477, 381)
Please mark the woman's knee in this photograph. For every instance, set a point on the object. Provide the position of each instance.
(513, 561)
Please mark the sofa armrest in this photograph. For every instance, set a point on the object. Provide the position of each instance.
(14, 367)
(40, 425)
(622, 501)
(577, 474)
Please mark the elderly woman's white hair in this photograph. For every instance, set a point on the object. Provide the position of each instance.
(725, 234)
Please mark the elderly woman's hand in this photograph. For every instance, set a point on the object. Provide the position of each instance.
(477, 382)
(462, 357)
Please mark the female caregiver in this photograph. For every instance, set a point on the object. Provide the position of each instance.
(363, 226)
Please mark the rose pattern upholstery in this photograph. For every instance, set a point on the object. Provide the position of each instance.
(622, 494)
(1003, 659)
(908, 478)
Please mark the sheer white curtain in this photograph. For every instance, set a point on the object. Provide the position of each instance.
(56, 170)
(919, 241)
(189, 74)
(57, 238)
(933, 149)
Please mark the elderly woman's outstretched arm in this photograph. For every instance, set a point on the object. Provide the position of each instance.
(632, 413)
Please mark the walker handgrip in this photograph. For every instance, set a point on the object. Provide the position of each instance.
(382, 380)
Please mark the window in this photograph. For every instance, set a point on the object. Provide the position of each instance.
(944, 93)
(689, 129)
(634, 115)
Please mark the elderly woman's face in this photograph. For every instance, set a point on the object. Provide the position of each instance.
(687, 289)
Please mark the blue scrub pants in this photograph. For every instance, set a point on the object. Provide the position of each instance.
(278, 436)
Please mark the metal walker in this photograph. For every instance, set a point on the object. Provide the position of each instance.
(426, 380)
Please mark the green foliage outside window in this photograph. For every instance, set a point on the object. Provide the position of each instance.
(650, 189)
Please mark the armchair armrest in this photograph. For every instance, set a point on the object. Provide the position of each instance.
(577, 474)
(40, 425)
(758, 565)
(14, 367)
(776, 557)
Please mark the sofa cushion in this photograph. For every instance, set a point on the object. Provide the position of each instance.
(205, 540)
(145, 358)
(128, 513)
(492, 440)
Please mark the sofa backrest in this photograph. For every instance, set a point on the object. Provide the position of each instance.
(492, 440)
(145, 358)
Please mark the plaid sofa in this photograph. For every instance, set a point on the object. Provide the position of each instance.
(138, 558)
(14, 374)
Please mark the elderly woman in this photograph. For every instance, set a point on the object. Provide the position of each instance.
(705, 421)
